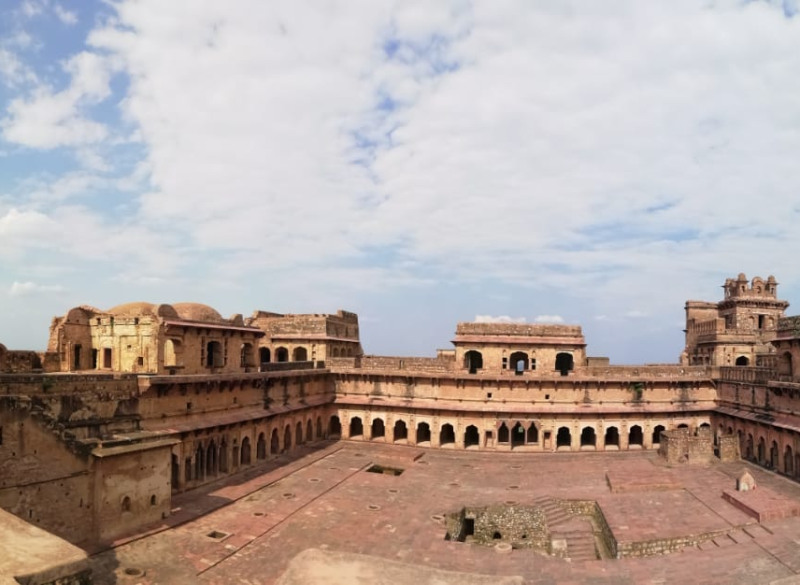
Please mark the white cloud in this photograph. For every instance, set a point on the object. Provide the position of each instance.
(49, 119)
(23, 289)
(12, 70)
(65, 16)
(548, 319)
(498, 319)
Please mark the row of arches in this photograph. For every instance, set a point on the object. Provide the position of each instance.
(512, 434)
(519, 362)
(757, 446)
(298, 354)
(219, 455)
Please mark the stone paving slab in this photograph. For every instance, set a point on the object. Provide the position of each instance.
(336, 506)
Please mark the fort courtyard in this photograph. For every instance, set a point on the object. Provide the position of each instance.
(164, 443)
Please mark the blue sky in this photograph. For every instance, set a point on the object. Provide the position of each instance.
(419, 163)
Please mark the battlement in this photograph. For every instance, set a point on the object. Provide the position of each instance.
(758, 287)
(518, 330)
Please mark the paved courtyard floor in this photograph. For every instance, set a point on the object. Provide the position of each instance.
(246, 529)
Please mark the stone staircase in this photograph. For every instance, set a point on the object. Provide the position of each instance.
(575, 531)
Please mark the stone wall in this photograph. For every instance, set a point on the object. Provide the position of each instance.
(682, 446)
(728, 446)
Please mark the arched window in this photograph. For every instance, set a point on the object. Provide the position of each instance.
(274, 443)
(214, 357)
(518, 362)
(423, 433)
(473, 361)
(635, 436)
(261, 446)
(502, 434)
(282, 354)
(533, 434)
(300, 354)
(742, 361)
(472, 437)
(518, 435)
(356, 427)
(246, 451)
(564, 363)
(263, 355)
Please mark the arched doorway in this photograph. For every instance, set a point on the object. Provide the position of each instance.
(588, 438)
(282, 354)
(612, 437)
(788, 461)
(473, 361)
(309, 431)
(742, 361)
(518, 361)
(564, 363)
(400, 432)
(762, 451)
(298, 433)
(274, 443)
(211, 459)
(447, 435)
(287, 438)
(300, 354)
(472, 437)
(774, 456)
(378, 429)
(533, 434)
(635, 436)
(263, 355)
(657, 434)
(261, 446)
(246, 451)
(563, 437)
(785, 366)
(518, 435)
(334, 427)
(423, 433)
(356, 427)
(199, 463)
(502, 434)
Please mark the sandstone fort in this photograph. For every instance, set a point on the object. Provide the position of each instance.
(157, 443)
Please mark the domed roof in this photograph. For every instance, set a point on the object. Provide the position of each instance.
(132, 309)
(197, 312)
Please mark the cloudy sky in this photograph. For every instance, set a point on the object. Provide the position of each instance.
(420, 163)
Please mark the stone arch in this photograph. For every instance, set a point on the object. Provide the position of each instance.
(518, 362)
(298, 433)
(211, 458)
(518, 435)
(749, 451)
(533, 434)
(785, 365)
(319, 427)
(774, 456)
(172, 352)
(588, 437)
(657, 434)
(287, 438)
(378, 430)
(247, 356)
(274, 443)
(447, 435)
(264, 355)
(300, 354)
(423, 433)
(635, 436)
(400, 431)
(742, 360)
(503, 433)
(563, 437)
(762, 451)
(473, 361)
(356, 427)
(564, 363)
(261, 446)
(214, 357)
(334, 426)
(472, 437)
(612, 437)
(246, 451)
(309, 431)
(281, 354)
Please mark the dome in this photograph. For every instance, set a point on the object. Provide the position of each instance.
(197, 312)
(132, 309)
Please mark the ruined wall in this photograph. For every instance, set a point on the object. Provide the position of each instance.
(16, 361)
(131, 488)
(728, 446)
(683, 446)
